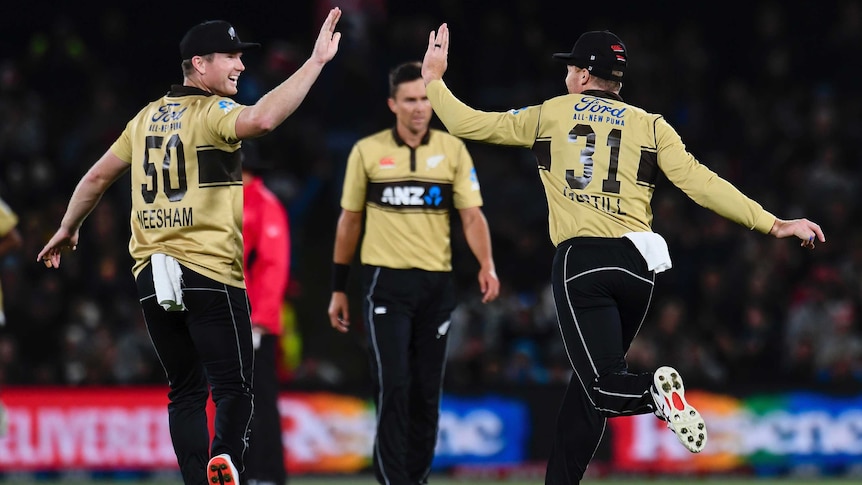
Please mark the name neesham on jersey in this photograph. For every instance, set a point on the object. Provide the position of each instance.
(611, 205)
(161, 218)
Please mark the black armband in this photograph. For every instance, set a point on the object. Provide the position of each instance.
(340, 273)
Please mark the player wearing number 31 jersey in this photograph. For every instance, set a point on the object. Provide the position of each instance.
(598, 158)
(187, 201)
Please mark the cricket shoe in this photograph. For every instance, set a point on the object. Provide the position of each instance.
(682, 418)
(220, 471)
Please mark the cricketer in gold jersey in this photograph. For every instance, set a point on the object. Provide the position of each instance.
(186, 224)
(598, 159)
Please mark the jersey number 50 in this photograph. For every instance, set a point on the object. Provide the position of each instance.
(174, 145)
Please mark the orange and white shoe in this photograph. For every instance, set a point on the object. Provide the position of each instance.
(220, 471)
(682, 418)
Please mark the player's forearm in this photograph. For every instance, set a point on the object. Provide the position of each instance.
(84, 199)
(478, 237)
(275, 106)
(465, 122)
(346, 238)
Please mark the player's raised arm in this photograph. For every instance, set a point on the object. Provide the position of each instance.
(275, 106)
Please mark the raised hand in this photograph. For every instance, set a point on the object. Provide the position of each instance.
(327, 42)
(437, 55)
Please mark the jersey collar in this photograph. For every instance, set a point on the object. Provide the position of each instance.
(602, 94)
(180, 90)
(400, 142)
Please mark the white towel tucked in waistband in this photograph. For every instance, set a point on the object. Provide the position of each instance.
(168, 278)
(653, 248)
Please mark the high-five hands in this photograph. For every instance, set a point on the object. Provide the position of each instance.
(436, 57)
(326, 44)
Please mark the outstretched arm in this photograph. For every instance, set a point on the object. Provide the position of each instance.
(516, 128)
(87, 194)
(275, 106)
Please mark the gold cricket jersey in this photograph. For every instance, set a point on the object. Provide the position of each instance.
(598, 160)
(407, 194)
(186, 183)
(8, 221)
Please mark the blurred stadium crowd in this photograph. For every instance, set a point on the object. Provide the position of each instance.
(774, 108)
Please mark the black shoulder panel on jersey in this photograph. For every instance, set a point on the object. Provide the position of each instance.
(648, 167)
(542, 151)
(217, 167)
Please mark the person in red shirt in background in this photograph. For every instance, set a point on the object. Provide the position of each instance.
(266, 259)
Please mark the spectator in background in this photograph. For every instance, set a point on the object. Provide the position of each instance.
(266, 259)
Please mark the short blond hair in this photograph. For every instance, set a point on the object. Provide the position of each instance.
(189, 68)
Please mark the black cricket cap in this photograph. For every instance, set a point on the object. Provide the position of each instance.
(212, 36)
(601, 52)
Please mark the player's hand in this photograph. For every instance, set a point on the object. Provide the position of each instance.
(804, 229)
(327, 42)
(436, 57)
(339, 315)
(62, 239)
(489, 284)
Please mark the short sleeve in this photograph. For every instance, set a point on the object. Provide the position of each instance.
(122, 147)
(221, 119)
(8, 219)
(355, 182)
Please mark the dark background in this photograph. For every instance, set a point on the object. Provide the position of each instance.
(764, 93)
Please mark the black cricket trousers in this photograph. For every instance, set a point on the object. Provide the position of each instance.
(602, 291)
(207, 347)
(407, 314)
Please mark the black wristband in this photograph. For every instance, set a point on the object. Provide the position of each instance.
(340, 273)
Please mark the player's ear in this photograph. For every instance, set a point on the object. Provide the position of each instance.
(391, 103)
(199, 64)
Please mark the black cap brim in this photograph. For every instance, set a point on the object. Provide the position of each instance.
(247, 46)
(565, 57)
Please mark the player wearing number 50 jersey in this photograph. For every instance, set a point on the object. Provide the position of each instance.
(598, 159)
(186, 221)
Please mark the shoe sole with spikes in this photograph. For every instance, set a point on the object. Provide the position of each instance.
(682, 418)
(220, 471)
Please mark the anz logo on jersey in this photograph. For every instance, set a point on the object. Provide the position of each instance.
(410, 195)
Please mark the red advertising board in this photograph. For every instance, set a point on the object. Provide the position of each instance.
(127, 428)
